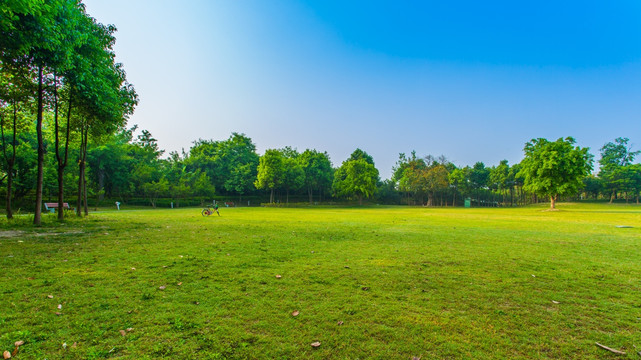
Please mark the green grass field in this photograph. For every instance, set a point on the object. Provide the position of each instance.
(368, 283)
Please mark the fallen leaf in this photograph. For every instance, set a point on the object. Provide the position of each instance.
(50, 296)
(278, 276)
(533, 275)
(133, 268)
(130, 329)
(6, 355)
(30, 278)
(75, 345)
(58, 313)
(59, 306)
(416, 358)
(122, 332)
(18, 343)
(295, 313)
(340, 323)
(346, 267)
(180, 283)
(64, 345)
(555, 302)
(162, 287)
(315, 344)
(365, 288)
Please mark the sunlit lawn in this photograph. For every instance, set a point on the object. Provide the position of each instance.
(378, 282)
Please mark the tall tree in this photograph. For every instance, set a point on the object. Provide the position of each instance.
(231, 164)
(614, 157)
(500, 178)
(270, 172)
(318, 171)
(554, 169)
(357, 177)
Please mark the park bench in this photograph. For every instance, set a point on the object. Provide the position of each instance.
(229, 204)
(51, 207)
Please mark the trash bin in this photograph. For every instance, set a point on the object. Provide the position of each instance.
(468, 202)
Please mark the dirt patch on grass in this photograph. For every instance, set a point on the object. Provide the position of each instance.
(20, 233)
(10, 233)
(72, 232)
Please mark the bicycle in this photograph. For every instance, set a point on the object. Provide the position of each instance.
(209, 210)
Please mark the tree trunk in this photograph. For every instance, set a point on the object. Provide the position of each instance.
(84, 183)
(37, 217)
(61, 160)
(271, 197)
(310, 192)
(553, 202)
(9, 186)
(9, 160)
(80, 187)
(101, 184)
(360, 200)
(612, 196)
(81, 168)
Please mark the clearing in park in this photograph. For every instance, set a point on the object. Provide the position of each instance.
(323, 283)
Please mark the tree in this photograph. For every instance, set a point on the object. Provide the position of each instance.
(554, 169)
(270, 171)
(614, 157)
(460, 180)
(435, 179)
(593, 186)
(500, 178)
(13, 82)
(410, 174)
(155, 189)
(635, 173)
(293, 177)
(356, 178)
(231, 164)
(360, 154)
(317, 168)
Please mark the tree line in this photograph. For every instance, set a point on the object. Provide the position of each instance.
(134, 170)
(57, 67)
(65, 102)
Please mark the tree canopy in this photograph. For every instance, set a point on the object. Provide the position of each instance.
(554, 168)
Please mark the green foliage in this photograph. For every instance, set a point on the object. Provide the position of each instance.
(271, 168)
(318, 171)
(554, 169)
(615, 171)
(356, 178)
(230, 164)
(359, 154)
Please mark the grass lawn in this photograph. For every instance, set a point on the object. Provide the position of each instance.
(379, 282)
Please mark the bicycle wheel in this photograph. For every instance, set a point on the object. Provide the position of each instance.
(206, 212)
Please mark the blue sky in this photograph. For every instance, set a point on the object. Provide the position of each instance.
(470, 80)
